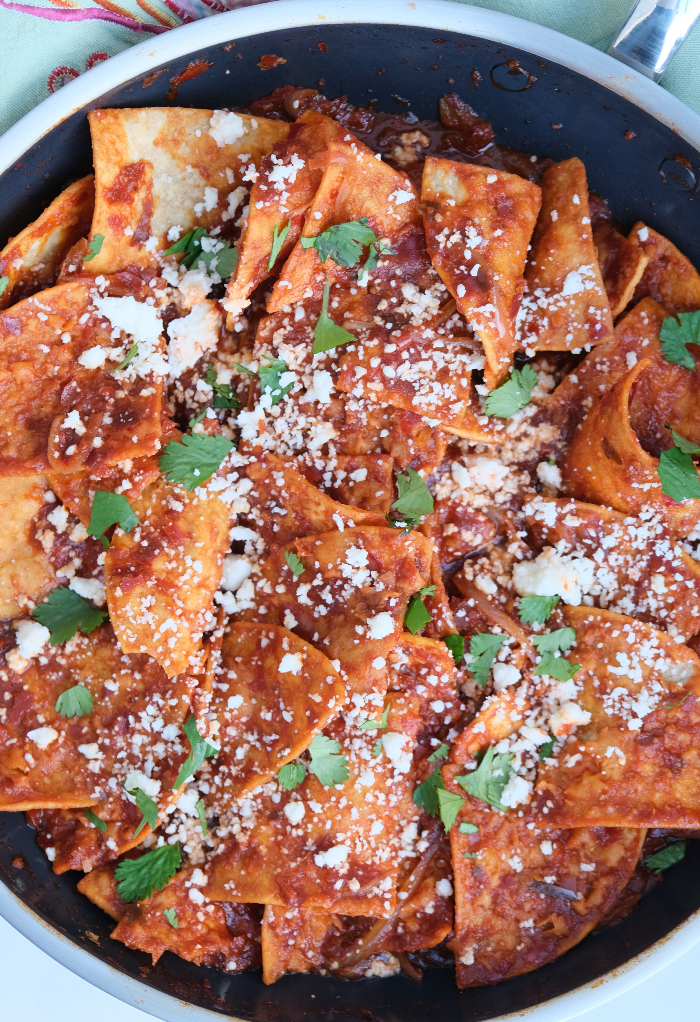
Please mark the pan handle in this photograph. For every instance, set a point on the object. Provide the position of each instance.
(653, 32)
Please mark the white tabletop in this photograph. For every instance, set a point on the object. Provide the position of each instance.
(35, 988)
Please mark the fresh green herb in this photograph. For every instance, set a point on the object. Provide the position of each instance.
(425, 795)
(489, 779)
(377, 748)
(417, 614)
(675, 706)
(327, 334)
(223, 392)
(64, 612)
(556, 667)
(377, 249)
(327, 764)
(545, 750)
(4, 281)
(294, 563)
(133, 350)
(343, 242)
(468, 828)
(194, 459)
(482, 652)
(149, 809)
(196, 420)
(450, 805)
(439, 753)
(278, 240)
(668, 856)
(414, 500)
(95, 820)
(136, 878)
(110, 509)
(271, 380)
(677, 470)
(201, 750)
(535, 610)
(470, 855)
(94, 248)
(206, 253)
(676, 333)
(373, 725)
(550, 642)
(201, 813)
(291, 775)
(170, 915)
(75, 702)
(455, 644)
(512, 395)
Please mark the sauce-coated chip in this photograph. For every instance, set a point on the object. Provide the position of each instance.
(621, 265)
(26, 572)
(669, 278)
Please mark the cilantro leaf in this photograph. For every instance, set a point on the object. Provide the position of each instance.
(556, 667)
(482, 651)
(489, 779)
(455, 644)
(222, 261)
(439, 753)
(327, 334)
(291, 775)
(417, 615)
(512, 395)
(343, 242)
(425, 795)
(110, 509)
(197, 419)
(377, 748)
(550, 642)
(278, 240)
(468, 828)
(370, 263)
(294, 563)
(170, 915)
(677, 472)
(4, 281)
(271, 380)
(676, 333)
(201, 750)
(91, 818)
(94, 248)
(372, 725)
(545, 750)
(450, 805)
(204, 252)
(136, 878)
(470, 855)
(189, 244)
(64, 612)
(75, 702)
(223, 392)
(194, 459)
(668, 856)
(328, 766)
(687, 446)
(149, 809)
(536, 609)
(133, 350)
(414, 500)
(201, 813)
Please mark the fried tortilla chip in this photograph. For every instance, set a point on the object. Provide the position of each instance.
(161, 577)
(423, 687)
(525, 895)
(606, 464)
(61, 406)
(566, 306)
(621, 265)
(349, 600)
(637, 761)
(456, 529)
(360, 480)
(100, 887)
(274, 693)
(162, 168)
(640, 569)
(478, 224)
(53, 762)
(284, 190)
(32, 259)
(226, 936)
(669, 277)
(26, 572)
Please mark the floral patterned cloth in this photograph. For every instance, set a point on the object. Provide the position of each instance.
(49, 42)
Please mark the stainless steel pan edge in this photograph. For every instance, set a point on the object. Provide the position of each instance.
(287, 14)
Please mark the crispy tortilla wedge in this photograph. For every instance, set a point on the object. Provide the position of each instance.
(669, 278)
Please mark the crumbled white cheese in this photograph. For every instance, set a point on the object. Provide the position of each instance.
(31, 638)
(193, 335)
(553, 574)
(89, 589)
(226, 128)
(332, 857)
(380, 625)
(294, 811)
(290, 664)
(43, 736)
